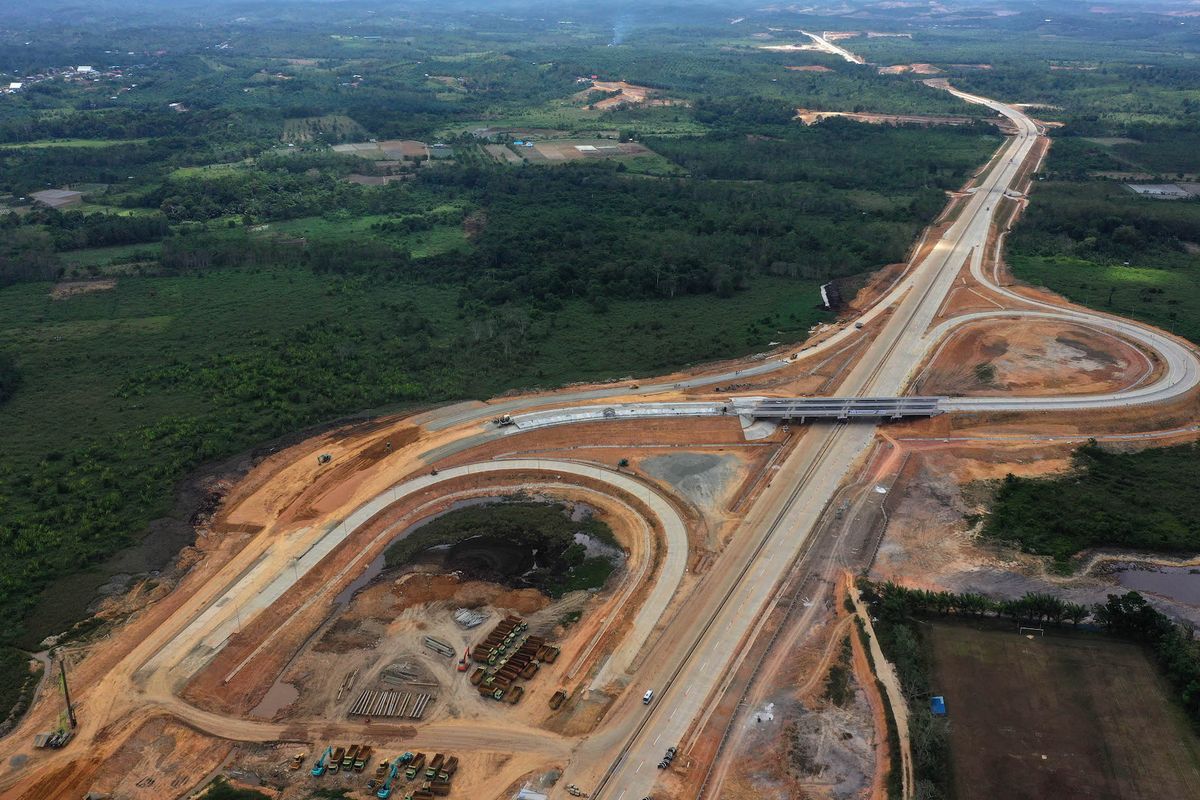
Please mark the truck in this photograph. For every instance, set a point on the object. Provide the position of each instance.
(347, 761)
(364, 755)
(448, 769)
(319, 768)
(434, 766)
(382, 770)
(335, 762)
(415, 766)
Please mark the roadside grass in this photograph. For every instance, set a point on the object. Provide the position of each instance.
(1067, 714)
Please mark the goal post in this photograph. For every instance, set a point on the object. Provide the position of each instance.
(1027, 631)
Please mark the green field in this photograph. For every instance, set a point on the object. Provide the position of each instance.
(74, 143)
(1064, 715)
(1097, 243)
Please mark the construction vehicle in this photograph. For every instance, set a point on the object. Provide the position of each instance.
(558, 699)
(448, 769)
(297, 762)
(319, 768)
(404, 759)
(415, 766)
(434, 766)
(335, 762)
(324, 458)
(385, 791)
(364, 755)
(347, 761)
(503, 420)
(462, 662)
(380, 772)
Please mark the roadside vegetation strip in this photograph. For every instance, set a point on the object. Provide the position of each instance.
(892, 690)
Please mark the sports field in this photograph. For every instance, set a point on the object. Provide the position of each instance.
(1061, 716)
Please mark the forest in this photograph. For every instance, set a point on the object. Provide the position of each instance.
(1138, 501)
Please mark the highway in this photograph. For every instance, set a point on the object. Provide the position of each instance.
(686, 671)
(686, 664)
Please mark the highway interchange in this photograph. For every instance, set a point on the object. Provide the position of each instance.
(686, 662)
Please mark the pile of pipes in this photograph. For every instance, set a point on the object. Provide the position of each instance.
(387, 703)
(468, 618)
(399, 673)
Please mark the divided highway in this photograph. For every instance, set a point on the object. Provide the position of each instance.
(686, 671)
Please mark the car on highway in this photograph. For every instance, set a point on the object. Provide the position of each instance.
(647, 697)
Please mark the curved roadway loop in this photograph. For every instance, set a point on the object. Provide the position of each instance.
(162, 663)
(687, 661)
(777, 530)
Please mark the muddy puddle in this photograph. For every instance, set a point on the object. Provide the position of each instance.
(278, 697)
(1181, 584)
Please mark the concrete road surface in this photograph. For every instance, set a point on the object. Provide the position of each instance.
(777, 528)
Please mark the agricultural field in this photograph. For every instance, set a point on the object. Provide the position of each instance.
(1064, 715)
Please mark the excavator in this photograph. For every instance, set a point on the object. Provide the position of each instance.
(385, 791)
(319, 768)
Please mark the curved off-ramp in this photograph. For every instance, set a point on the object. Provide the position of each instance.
(1182, 372)
(257, 588)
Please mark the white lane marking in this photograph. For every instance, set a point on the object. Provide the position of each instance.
(622, 794)
(639, 768)
(656, 738)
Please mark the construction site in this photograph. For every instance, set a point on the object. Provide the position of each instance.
(285, 655)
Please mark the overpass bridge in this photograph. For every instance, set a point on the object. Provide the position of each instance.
(795, 409)
(800, 409)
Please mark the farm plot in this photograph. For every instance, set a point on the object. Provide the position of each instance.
(558, 151)
(1059, 716)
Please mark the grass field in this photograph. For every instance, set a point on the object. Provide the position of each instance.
(74, 143)
(1060, 716)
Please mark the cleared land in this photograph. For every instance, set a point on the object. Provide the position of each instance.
(557, 151)
(1059, 716)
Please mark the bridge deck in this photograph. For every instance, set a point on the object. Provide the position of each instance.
(840, 407)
